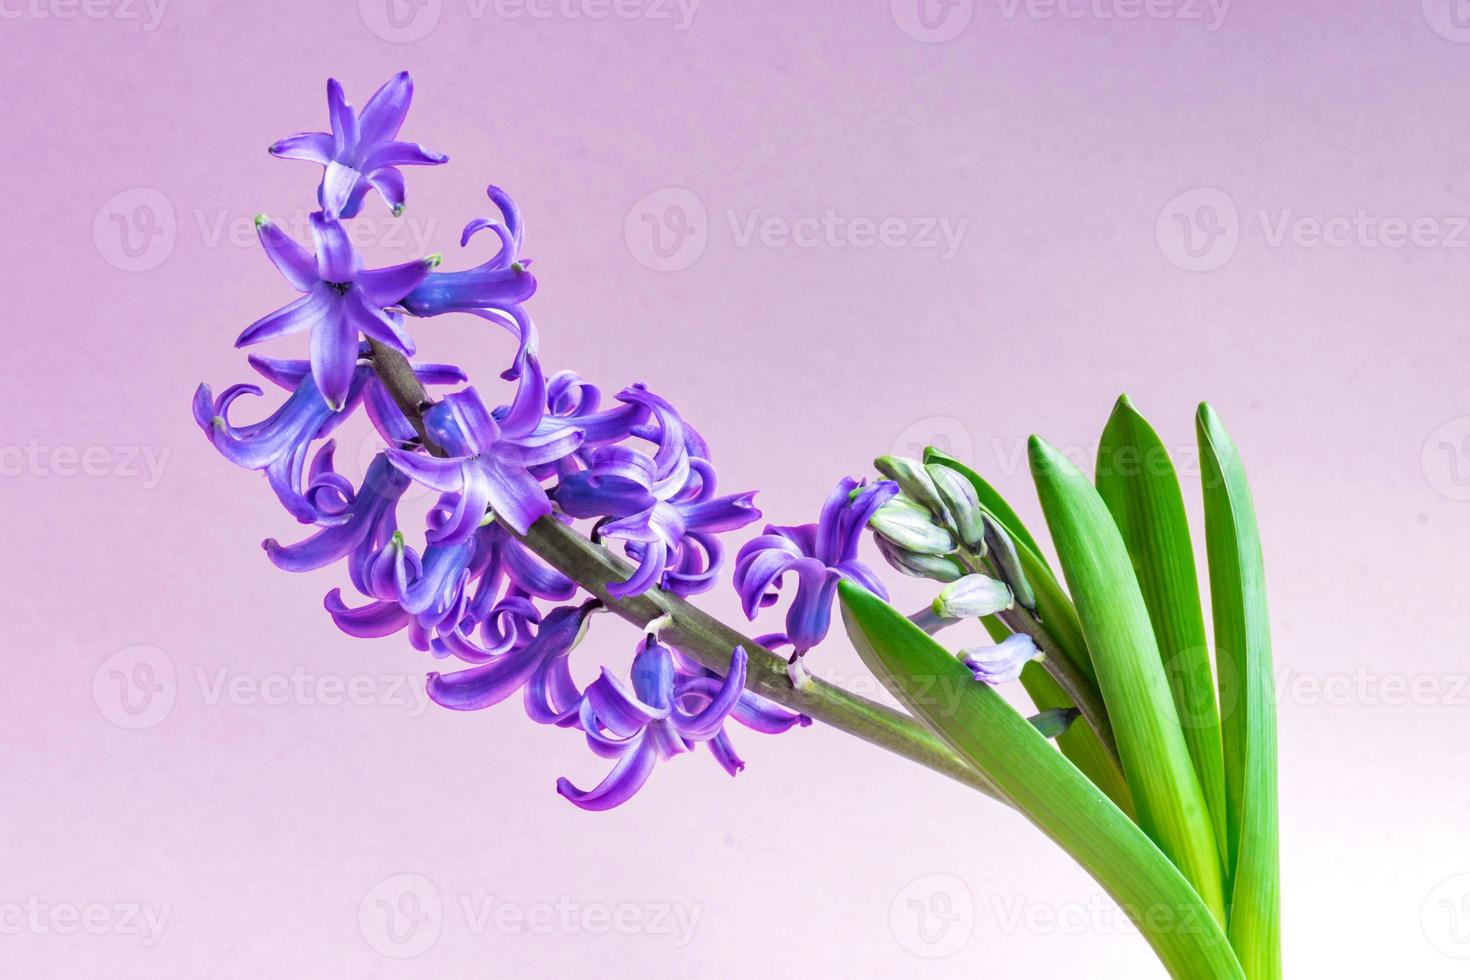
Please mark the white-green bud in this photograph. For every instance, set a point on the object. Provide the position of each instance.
(1003, 552)
(972, 597)
(936, 567)
(910, 527)
(914, 480)
(962, 504)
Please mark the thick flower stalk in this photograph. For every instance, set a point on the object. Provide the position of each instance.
(549, 506)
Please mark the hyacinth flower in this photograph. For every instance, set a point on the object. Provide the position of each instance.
(649, 723)
(494, 457)
(1001, 663)
(664, 508)
(277, 445)
(342, 301)
(495, 290)
(361, 151)
(530, 492)
(818, 555)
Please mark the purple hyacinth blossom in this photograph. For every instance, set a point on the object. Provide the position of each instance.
(494, 290)
(664, 508)
(1003, 662)
(368, 517)
(651, 722)
(361, 151)
(279, 444)
(819, 555)
(491, 683)
(494, 457)
(341, 301)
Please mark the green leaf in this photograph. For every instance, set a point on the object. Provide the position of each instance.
(1166, 791)
(1081, 743)
(984, 729)
(1243, 653)
(1136, 479)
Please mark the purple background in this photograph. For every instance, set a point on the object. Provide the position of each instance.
(1067, 155)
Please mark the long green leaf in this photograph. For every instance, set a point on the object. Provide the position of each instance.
(1243, 652)
(1136, 479)
(1166, 791)
(1081, 743)
(983, 728)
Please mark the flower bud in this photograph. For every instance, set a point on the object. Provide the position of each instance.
(910, 527)
(1054, 722)
(962, 504)
(1002, 662)
(972, 597)
(915, 482)
(1003, 551)
(935, 567)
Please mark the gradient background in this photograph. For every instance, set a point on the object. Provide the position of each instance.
(1071, 154)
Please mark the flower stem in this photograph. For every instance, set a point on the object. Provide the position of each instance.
(701, 636)
(1069, 677)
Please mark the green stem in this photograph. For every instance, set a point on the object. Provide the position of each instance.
(1069, 677)
(704, 638)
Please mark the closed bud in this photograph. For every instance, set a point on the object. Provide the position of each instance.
(972, 597)
(1054, 722)
(962, 504)
(1003, 552)
(935, 567)
(910, 527)
(914, 480)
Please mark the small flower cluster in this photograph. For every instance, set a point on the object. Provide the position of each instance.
(474, 592)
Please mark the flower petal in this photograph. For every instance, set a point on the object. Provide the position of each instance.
(302, 314)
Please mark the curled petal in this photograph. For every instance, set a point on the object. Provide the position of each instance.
(626, 779)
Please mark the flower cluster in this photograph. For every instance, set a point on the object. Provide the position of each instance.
(474, 592)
